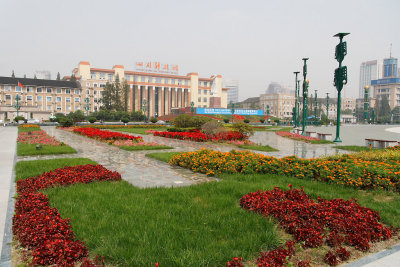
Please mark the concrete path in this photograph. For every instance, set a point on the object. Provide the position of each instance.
(8, 138)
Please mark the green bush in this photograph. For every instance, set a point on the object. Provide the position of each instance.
(153, 120)
(92, 119)
(182, 121)
(125, 119)
(226, 120)
(198, 121)
(262, 120)
(242, 127)
(246, 120)
(212, 127)
(66, 122)
(19, 118)
(76, 116)
(176, 129)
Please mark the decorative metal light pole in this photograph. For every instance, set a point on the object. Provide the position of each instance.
(315, 107)
(340, 78)
(296, 99)
(366, 104)
(305, 95)
(192, 107)
(298, 103)
(87, 107)
(144, 105)
(373, 116)
(17, 105)
(232, 110)
(327, 109)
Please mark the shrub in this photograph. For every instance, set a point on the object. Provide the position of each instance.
(243, 128)
(153, 120)
(92, 119)
(199, 121)
(246, 120)
(226, 120)
(66, 122)
(262, 120)
(212, 127)
(125, 119)
(19, 118)
(182, 121)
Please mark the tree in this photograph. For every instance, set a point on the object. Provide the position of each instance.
(76, 116)
(73, 78)
(112, 95)
(125, 95)
(34, 77)
(58, 76)
(13, 75)
(383, 110)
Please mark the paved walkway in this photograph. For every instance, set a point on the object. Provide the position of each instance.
(8, 138)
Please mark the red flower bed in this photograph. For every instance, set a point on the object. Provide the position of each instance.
(40, 228)
(197, 136)
(308, 220)
(105, 135)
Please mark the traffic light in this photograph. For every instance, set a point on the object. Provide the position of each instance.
(341, 51)
(340, 77)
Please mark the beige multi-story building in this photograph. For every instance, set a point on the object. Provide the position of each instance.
(278, 105)
(161, 92)
(37, 98)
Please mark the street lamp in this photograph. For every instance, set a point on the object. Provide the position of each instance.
(17, 105)
(296, 98)
(192, 107)
(340, 78)
(327, 109)
(305, 95)
(144, 105)
(315, 107)
(366, 103)
(232, 110)
(87, 108)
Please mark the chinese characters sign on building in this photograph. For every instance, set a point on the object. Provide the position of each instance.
(156, 67)
(224, 111)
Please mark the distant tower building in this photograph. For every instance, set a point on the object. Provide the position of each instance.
(369, 70)
(43, 74)
(233, 92)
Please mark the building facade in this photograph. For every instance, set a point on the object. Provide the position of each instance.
(369, 70)
(38, 99)
(278, 105)
(233, 90)
(161, 93)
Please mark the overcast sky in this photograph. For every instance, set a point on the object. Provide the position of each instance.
(255, 42)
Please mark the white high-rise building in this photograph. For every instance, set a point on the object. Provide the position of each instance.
(369, 70)
(233, 92)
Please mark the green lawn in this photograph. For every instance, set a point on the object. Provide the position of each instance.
(25, 169)
(139, 130)
(354, 148)
(200, 225)
(28, 129)
(30, 149)
(257, 147)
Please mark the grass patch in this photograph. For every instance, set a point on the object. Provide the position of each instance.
(321, 142)
(139, 130)
(25, 169)
(28, 129)
(354, 148)
(162, 156)
(199, 225)
(136, 148)
(265, 148)
(30, 149)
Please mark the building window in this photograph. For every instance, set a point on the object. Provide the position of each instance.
(127, 77)
(8, 97)
(49, 107)
(68, 99)
(93, 75)
(199, 92)
(150, 79)
(205, 91)
(29, 89)
(172, 81)
(142, 79)
(205, 84)
(58, 108)
(87, 84)
(102, 85)
(29, 98)
(204, 106)
(18, 89)
(77, 99)
(158, 80)
(179, 82)
(49, 90)
(199, 99)
(77, 92)
(87, 92)
(58, 91)
(205, 99)
(58, 99)
(8, 88)
(39, 98)
(110, 77)
(166, 81)
(95, 84)
(102, 75)
(68, 107)
(95, 92)
(186, 82)
(49, 98)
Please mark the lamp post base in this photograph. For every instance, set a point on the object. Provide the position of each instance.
(337, 140)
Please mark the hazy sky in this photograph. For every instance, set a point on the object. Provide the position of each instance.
(255, 42)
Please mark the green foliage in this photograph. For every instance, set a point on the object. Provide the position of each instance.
(125, 119)
(262, 120)
(198, 121)
(19, 118)
(212, 127)
(92, 119)
(66, 122)
(383, 109)
(112, 115)
(116, 96)
(185, 121)
(353, 148)
(257, 147)
(73, 78)
(246, 120)
(242, 127)
(226, 120)
(76, 116)
(153, 120)
(30, 149)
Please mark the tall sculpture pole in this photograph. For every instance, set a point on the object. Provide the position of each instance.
(340, 78)
(366, 104)
(315, 105)
(296, 99)
(305, 96)
(327, 108)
